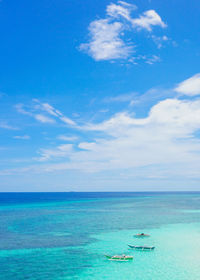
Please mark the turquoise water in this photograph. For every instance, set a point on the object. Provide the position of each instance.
(65, 236)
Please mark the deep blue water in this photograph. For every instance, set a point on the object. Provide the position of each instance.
(37, 197)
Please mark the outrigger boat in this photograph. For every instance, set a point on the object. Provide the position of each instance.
(142, 247)
(119, 258)
(141, 235)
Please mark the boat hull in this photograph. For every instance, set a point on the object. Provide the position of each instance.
(141, 236)
(142, 248)
(119, 258)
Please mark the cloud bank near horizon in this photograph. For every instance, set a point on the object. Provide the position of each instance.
(165, 143)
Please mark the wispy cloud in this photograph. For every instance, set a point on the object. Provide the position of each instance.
(107, 35)
(43, 112)
(120, 98)
(32, 112)
(54, 153)
(153, 59)
(20, 109)
(5, 125)
(121, 9)
(67, 138)
(43, 119)
(67, 120)
(22, 137)
(160, 40)
(147, 20)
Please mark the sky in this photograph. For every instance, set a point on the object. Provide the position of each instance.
(99, 95)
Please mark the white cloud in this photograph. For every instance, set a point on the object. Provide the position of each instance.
(147, 20)
(165, 142)
(86, 145)
(58, 152)
(107, 34)
(67, 138)
(5, 125)
(161, 145)
(179, 117)
(67, 120)
(54, 112)
(23, 137)
(105, 42)
(166, 137)
(49, 109)
(43, 112)
(120, 98)
(165, 38)
(123, 9)
(20, 109)
(160, 40)
(190, 87)
(153, 59)
(43, 118)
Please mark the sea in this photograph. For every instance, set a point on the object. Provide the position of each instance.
(62, 236)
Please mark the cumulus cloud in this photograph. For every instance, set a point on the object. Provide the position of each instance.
(106, 35)
(166, 136)
(179, 117)
(105, 42)
(190, 87)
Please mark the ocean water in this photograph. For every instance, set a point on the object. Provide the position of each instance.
(58, 236)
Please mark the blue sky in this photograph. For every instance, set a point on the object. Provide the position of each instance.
(99, 95)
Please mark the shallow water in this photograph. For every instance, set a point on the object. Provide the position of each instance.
(65, 236)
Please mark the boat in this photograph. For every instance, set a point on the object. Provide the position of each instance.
(142, 247)
(141, 235)
(119, 258)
